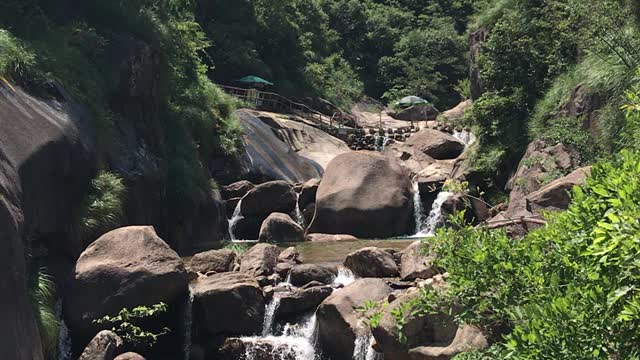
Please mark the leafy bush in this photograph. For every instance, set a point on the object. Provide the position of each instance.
(568, 290)
(238, 248)
(102, 210)
(128, 324)
(15, 58)
(42, 294)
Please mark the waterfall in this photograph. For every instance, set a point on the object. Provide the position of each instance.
(237, 215)
(298, 216)
(269, 315)
(64, 340)
(467, 137)
(363, 349)
(426, 226)
(297, 341)
(344, 277)
(187, 322)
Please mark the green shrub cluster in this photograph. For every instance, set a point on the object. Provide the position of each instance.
(566, 291)
(42, 293)
(15, 58)
(102, 209)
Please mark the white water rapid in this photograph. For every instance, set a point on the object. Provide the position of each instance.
(269, 314)
(237, 215)
(467, 137)
(426, 225)
(363, 349)
(344, 277)
(64, 340)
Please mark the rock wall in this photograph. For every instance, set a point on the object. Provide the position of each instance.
(475, 47)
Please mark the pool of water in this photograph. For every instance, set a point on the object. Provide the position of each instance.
(336, 252)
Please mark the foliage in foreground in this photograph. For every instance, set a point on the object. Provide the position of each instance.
(129, 325)
(42, 294)
(569, 290)
(238, 248)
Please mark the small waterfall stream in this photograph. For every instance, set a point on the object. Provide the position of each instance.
(237, 215)
(426, 225)
(363, 349)
(344, 277)
(467, 137)
(64, 340)
(269, 314)
(298, 216)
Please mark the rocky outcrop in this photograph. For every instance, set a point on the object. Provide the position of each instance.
(106, 345)
(301, 301)
(266, 157)
(260, 260)
(280, 228)
(339, 322)
(124, 268)
(557, 194)
(468, 338)
(417, 113)
(308, 193)
(330, 237)
(289, 255)
(457, 113)
(541, 164)
(267, 198)
(371, 262)
(583, 103)
(373, 201)
(228, 304)
(306, 273)
(425, 333)
(436, 144)
(416, 265)
(236, 190)
(476, 39)
(306, 140)
(218, 261)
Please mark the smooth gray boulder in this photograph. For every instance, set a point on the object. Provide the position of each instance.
(260, 260)
(306, 273)
(416, 265)
(371, 262)
(106, 345)
(280, 228)
(219, 261)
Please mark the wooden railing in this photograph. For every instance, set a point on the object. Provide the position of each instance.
(269, 101)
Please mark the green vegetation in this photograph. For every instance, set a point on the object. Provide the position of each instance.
(15, 59)
(43, 297)
(568, 290)
(128, 324)
(102, 210)
(238, 248)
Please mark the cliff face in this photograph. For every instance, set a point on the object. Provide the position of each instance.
(46, 161)
(476, 39)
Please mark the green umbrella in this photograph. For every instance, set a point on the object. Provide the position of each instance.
(411, 100)
(255, 80)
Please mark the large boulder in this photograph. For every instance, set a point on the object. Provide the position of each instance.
(364, 194)
(222, 260)
(468, 338)
(300, 301)
(457, 112)
(260, 260)
(416, 265)
(308, 193)
(236, 190)
(124, 268)
(340, 323)
(228, 304)
(556, 194)
(279, 227)
(419, 330)
(267, 198)
(436, 144)
(417, 113)
(306, 273)
(129, 356)
(330, 237)
(106, 345)
(371, 262)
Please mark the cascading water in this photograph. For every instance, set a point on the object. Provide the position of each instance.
(269, 314)
(467, 137)
(237, 215)
(64, 340)
(187, 322)
(363, 349)
(299, 217)
(427, 225)
(344, 277)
